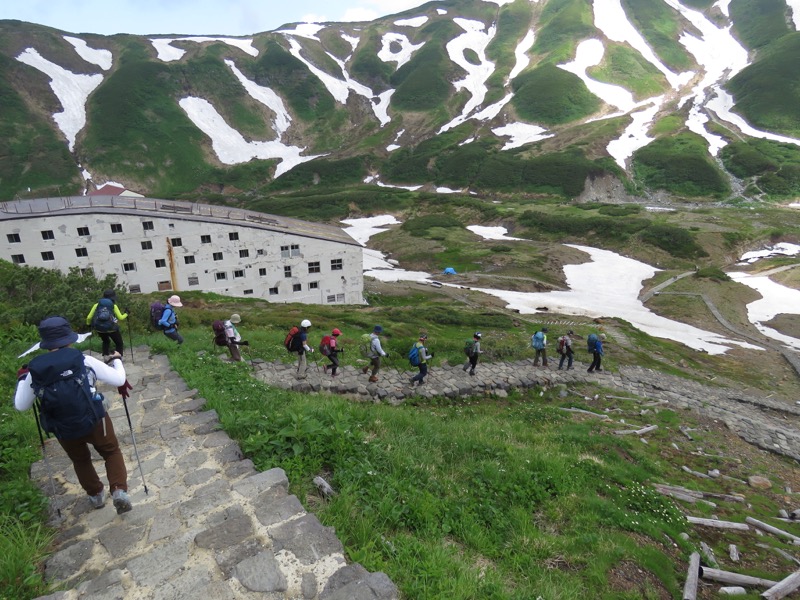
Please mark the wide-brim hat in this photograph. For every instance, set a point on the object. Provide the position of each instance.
(378, 329)
(55, 332)
(111, 294)
(175, 301)
(236, 318)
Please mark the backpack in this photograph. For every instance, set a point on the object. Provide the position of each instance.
(156, 312)
(68, 407)
(469, 346)
(562, 344)
(413, 356)
(537, 340)
(325, 346)
(366, 345)
(292, 341)
(591, 342)
(220, 337)
(103, 319)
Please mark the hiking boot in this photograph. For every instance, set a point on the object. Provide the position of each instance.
(472, 373)
(325, 369)
(98, 500)
(372, 378)
(466, 367)
(364, 370)
(122, 502)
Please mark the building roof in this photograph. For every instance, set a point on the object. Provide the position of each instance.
(109, 189)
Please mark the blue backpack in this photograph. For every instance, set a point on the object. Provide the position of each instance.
(537, 340)
(103, 319)
(68, 407)
(413, 356)
(591, 342)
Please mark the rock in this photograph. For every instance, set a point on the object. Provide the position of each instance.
(759, 482)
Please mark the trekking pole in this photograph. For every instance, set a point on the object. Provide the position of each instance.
(130, 340)
(133, 438)
(44, 456)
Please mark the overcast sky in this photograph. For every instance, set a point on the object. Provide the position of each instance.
(192, 17)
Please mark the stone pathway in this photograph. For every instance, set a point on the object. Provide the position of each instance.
(769, 423)
(209, 526)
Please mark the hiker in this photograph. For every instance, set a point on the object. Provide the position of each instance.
(104, 319)
(473, 350)
(329, 348)
(63, 381)
(539, 343)
(422, 353)
(300, 342)
(597, 354)
(375, 353)
(564, 348)
(169, 319)
(233, 337)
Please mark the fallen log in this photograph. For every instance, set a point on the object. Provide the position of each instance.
(784, 587)
(647, 429)
(692, 574)
(695, 473)
(587, 412)
(774, 530)
(718, 524)
(735, 578)
(709, 554)
(783, 553)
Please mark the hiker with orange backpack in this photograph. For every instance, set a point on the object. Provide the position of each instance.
(329, 348)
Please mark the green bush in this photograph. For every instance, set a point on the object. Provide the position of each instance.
(550, 95)
(678, 242)
(421, 226)
(562, 24)
(758, 23)
(713, 273)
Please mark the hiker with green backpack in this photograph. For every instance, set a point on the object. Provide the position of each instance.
(472, 348)
(104, 318)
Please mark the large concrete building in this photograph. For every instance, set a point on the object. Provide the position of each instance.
(159, 245)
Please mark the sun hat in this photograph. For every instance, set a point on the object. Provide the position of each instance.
(336, 332)
(378, 329)
(236, 318)
(477, 334)
(305, 323)
(175, 301)
(111, 294)
(56, 333)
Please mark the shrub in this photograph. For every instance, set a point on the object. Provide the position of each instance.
(550, 95)
(421, 226)
(678, 242)
(713, 273)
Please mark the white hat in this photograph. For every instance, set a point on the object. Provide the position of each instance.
(236, 318)
(174, 300)
(305, 323)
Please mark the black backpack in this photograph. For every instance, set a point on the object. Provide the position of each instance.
(156, 311)
(220, 338)
(68, 406)
(104, 319)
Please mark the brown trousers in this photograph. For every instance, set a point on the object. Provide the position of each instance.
(108, 447)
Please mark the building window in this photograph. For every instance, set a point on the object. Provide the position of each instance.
(247, 292)
(83, 231)
(314, 285)
(297, 287)
(135, 289)
(262, 272)
(238, 273)
(336, 264)
(147, 245)
(260, 252)
(217, 255)
(313, 267)
(18, 259)
(48, 235)
(194, 281)
(161, 263)
(164, 286)
(221, 275)
(233, 236)
(272, 291)
(295, 250)
(79, 252)
(128, 267)
(339, 297)
(287, 271)
(188, 260)
(13, 238)
(115, 248)
(287, 251)
(332, 299)
(205, 239)
(48, 256)
(147, 225)
(176, 242)
(116, 228)
(244, 253)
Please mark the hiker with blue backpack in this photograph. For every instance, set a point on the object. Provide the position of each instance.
(473, 350)
(539, 343)
(418, 357)
(104, 318)
(594, 344)
(61, 385)
(168, 321)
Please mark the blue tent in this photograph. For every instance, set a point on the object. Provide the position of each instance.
(449, 271)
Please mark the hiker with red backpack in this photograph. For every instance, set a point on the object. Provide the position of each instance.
(299, 344)
(328, 347)
(564, 348)
(60, 384)
(104, 319)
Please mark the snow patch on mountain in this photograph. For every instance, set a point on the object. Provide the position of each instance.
(352, 40)
(474, 38)
(403, 54)
(267, 97)
(521, 134)
(413, 22)
(635, 135)
(775, 299)
(589, 54)
(229, 145)
(381, 107)
(722, 105)
(794, 7)
(338, 88)
(492, 233)
(167, 52)
(521, 53)
(99, 57)
(722, 5)
(71, 89)
(306, 30)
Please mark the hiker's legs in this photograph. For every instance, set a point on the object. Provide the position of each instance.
(544, 357)
(334, 363)
(376, 365)
(81, 457)
(571, 356)
(116, 337)
(105, 338)
(107, 446)
(174, 335)
(536, 358)
(423, 371)
(302, 364)
(473, 361)
(561, 360)
(234, 350)
(596, 360)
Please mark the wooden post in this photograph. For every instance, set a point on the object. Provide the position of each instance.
(735, 578)
(784, 587)
(718, 524)
(690, 587)
(774, 530)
